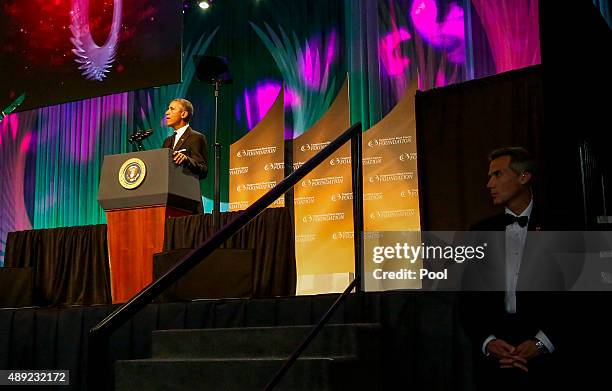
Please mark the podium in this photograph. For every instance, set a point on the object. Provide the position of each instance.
(138, 191)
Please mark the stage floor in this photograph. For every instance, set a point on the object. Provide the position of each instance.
(423, 341)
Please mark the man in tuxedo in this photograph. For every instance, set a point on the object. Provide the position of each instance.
(515, 332)
(189, 147)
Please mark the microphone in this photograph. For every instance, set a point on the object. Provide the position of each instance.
(139, 136)
(136, 138)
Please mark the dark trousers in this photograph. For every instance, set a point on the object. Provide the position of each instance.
(541, 376)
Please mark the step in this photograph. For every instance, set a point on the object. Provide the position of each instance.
(358, 340)
(308, 374)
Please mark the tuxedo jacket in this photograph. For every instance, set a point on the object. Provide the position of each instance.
(541, 278)
(197, 151)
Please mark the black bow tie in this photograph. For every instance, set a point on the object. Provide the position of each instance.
(521, 220)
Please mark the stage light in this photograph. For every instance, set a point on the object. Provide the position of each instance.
(204, 5)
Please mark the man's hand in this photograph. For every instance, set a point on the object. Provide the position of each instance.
(528, 350)
(506, 355)
(499, 349)
(178, 157)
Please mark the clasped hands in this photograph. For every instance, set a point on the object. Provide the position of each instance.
(513, 357)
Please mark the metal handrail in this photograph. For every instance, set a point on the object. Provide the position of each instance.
(99, 333)
(313, 333)
(357, 181)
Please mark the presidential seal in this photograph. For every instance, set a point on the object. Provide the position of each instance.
(132, 173)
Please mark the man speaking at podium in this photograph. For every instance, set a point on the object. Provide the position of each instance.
(189, 147)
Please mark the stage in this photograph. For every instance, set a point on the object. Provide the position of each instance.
(422, 342)
(370, 116)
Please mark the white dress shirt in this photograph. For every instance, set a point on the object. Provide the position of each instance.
(178, 134)
(515, 244)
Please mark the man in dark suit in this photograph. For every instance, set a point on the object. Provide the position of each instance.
(515, 330)
(189, 147)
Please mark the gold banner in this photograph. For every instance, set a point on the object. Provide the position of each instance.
(257, 159)
(323, 200)
(390, 183)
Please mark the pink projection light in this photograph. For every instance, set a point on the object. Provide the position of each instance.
(258, 101)
(9, 132)
(314, 71)
(15, 141)
(389, 51)
(512, 31)
(448, 35)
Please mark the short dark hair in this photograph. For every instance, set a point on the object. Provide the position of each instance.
(520, 159)
(187, 106)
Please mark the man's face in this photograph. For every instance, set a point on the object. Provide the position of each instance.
(504, 184)
(175, 115)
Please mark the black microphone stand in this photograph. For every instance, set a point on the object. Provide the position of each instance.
(136, 139)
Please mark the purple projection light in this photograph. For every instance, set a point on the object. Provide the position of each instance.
(258, 101)
(389, 50)
(314, 70)
(448, 35)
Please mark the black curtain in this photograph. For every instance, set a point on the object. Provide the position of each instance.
(70, 265)
(462, 124)
(423, 345)
(270, 234)
(16, 287)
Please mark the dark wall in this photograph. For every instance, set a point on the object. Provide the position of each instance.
(577, 82)
(457, 127)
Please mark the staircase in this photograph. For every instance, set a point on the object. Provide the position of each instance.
(341, 357)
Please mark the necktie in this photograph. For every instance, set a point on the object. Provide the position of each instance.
(521, 220)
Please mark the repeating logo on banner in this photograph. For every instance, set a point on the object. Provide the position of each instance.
(405, 157)
(257, 160)
(322, 200)
(274, 166)
(390, 164)
(387, 141)
(132, 173)
(395, 177)
(337, 161)
(314, 146)
(254, 152)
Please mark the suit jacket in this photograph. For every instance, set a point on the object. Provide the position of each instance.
(197, 151)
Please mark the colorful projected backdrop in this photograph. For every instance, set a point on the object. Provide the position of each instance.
(63, 50)
(50, 161)
(50, 157)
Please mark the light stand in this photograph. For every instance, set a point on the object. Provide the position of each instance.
(217, 190)
(216, 71)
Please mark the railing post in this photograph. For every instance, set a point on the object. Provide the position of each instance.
(357, 178)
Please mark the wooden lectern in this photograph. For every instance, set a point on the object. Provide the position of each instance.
(139, 191)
